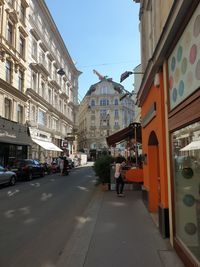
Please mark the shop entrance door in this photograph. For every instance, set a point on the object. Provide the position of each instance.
(154, 175)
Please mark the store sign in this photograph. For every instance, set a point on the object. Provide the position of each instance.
(184, 63)
(6, 134)
(149, 115)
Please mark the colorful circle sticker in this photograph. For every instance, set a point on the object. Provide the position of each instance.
(181, 88)
(179, 53)
(193, 54)
(184, 66)
(177, 75)
(190, 228)
(189, 200)
(197, 71)
(187, 173)
(174, 94)
(171, 82)
(173, 64)
(196, 29)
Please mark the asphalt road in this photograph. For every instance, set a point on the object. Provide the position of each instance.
(38, 217)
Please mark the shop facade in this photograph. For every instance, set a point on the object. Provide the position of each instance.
(155, 190)
(15, 141)
(184, 132)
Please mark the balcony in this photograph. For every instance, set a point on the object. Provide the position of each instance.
(40, 67)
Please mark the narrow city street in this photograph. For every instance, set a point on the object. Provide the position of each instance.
(38, 217)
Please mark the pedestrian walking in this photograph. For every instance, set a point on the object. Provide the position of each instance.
(118, 177)
(61, 165)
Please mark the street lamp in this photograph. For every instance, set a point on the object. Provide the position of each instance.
(126, 74)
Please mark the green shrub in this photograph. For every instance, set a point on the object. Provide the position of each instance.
(102, 168)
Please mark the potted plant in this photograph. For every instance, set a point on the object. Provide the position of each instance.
(102, 169)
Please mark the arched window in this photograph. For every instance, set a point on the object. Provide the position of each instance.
(116, 102)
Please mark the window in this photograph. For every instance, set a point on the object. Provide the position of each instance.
(104, 90)
(34, 81)
(22, 12)
(92, 103)
(50, 96)
(42, 90)
(103, 113)
(22, 46)
(33, 113)
(34, 48)
(116, 123)
(104, 102)
(10, 32)
(42, 57)
(186, 171)
(21, 80)
(116, 102)
(116, 113)
(49, 66)
(8, 71)
(49, 121)
(41, 117)
(7, 108)
(20, 114)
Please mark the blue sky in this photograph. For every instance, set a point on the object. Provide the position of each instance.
(102, 35)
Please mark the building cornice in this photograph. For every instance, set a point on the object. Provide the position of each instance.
(13, 91)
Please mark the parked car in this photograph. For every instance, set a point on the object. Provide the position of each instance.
(7, 177)
(28, 168)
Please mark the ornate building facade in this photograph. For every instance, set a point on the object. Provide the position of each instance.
(102, 113)
(38, 82)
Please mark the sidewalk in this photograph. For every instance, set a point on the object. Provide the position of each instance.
(116, 232)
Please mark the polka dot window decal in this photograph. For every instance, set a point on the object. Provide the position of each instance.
(197, 26)
(184, 63)
(193, 54)
(181, 88)
(184, 66)
(173, 64)
(179, 54)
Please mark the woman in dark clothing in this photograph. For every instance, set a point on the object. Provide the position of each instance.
(118, 177)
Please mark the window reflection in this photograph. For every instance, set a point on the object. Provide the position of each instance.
(186, 153)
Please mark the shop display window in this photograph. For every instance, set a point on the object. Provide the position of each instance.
(186, 158)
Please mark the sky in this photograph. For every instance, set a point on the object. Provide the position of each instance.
(101, 35)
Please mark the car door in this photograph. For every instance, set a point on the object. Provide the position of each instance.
(3, 178)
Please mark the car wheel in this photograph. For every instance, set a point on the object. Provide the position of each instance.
(12, 180)
(30, 176)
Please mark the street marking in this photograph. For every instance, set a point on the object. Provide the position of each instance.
(35, 184)
(11, 193)
(25, 210)
(45, 196)
(9, 213)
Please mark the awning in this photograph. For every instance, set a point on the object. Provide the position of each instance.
(132, 131)
(194, 145)
(47, 145)
(14, 133)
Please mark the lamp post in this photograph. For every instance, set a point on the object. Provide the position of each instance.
(126, 74)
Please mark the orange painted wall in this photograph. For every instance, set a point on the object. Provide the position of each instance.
(157, 125)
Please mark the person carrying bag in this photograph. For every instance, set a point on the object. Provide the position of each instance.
(119, 178)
